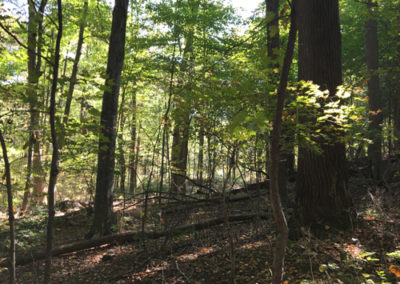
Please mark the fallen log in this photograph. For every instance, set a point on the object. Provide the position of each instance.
(39, 253)
(236, 195)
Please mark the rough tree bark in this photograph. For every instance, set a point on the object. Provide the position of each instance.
(54, 161)
(374, 94)
(323, 196)
(103, 207)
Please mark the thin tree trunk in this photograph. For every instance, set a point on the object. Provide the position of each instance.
(396, 98)
(279, 216)
(74, 73)
(103, 208)
(132, 155)
(200, 169)
(54, 161)
(11, 219)
(273, 47)
(121, 156)
(166, 122)
(374, 101)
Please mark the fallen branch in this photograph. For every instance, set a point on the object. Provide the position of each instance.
(39, 253)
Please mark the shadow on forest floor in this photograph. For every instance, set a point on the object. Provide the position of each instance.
(369, 254)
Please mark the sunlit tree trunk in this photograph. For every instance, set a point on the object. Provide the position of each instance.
(374, 95)
(323, 196)
(35, 31)
(103, 208)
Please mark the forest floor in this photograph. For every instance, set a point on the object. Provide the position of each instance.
(369, 254)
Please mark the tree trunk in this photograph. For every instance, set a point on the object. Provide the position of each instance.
(374, 101)
(179, 156)
(276, 164)
(323, 196)
(103, 207)
(54, 161)
(396, 99)
(74, 74)
(35, 23)
(273, 47)
(200, 167)
(182, 103)
(28, 180)
(132, 151)
(11, 219)
(121, 156)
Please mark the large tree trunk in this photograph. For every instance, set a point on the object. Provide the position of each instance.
(374, 101)
(35, 31)
(323, 196)
(103, 207)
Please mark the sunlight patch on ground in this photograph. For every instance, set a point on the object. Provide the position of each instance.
(252, 245)
(195, 255)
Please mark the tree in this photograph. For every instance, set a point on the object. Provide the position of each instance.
(182, 107)
(323, 196)
(396, 95)
(11, 218)
(103, 208)
(34, 47)
(374, 94)
(73, 79)
(273, 47)
(279, 216)
(55, 157)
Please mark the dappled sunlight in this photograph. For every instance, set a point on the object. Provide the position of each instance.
(195, 255)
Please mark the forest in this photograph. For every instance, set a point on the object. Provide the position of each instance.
(184, 141)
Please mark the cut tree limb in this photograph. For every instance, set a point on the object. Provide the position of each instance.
(39, 253)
